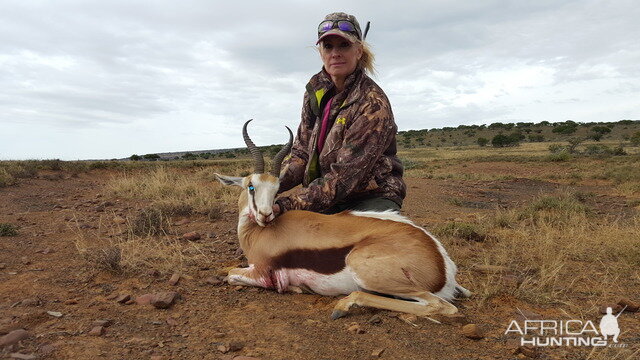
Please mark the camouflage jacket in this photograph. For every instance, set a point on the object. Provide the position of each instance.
(358, 160)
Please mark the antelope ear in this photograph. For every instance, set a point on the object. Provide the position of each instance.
(229, 180)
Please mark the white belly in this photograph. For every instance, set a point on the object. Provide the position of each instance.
(340, 283)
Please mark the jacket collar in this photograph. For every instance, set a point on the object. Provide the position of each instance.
(321, 84)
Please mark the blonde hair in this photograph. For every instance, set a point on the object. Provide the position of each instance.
(367, 60)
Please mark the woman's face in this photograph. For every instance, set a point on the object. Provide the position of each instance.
(339, 56)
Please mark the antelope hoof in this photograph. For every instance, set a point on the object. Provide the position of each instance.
(337, 314)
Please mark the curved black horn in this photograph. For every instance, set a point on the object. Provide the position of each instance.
(253, 149)
(277, 160)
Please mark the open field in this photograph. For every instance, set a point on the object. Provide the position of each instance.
(535, 234)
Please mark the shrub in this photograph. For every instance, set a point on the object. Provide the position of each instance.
(635, 139)
(565, 128)
(149, 222)
(536, 138)
(8, 229)
(482, 141)
(462, 230)
(601, 130)
(502, 140)
(6, 179)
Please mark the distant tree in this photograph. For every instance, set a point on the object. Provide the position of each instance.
(536, 138)
(151, 157)
(601, 129)
(566, 128)
(135, 157)
(482, 141)
(502, 140)
(596, 136)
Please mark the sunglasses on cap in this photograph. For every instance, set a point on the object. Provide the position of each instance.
(344, 25)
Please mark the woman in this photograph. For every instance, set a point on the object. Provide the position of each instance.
(344, 153)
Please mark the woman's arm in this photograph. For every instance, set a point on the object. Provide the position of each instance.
(364, 142)
(295, 163)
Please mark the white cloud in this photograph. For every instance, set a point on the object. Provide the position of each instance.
(95, 79)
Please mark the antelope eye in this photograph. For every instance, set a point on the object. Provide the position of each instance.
(251, 188)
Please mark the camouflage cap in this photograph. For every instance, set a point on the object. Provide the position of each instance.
(336, 16)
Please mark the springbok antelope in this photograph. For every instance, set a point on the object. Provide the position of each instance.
(378, 259)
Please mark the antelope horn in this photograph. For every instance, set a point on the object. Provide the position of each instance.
(277, 160)
(253, 149)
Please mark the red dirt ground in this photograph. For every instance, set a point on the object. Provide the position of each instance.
(42, 264)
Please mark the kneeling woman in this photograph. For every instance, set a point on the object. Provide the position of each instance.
(344, 153)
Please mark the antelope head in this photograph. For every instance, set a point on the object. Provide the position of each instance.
(260, 188)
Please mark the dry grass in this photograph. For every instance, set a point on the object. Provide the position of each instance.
(175, 192)
(556, 249)
(125, 251)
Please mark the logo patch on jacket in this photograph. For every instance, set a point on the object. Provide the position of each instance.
(341, 121)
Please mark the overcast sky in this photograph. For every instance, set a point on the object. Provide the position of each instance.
(106, 79)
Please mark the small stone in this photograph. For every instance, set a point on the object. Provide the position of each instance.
(377, 352)
(47, 349)
(164, 300)
(631, 306)
(173, 281)
(236, 346)
(191, 236)
(103, 323)
(121, 299)
(14, 337)
(472, 331)
(119, 220)
(615, 308)
(55, 314)
(212, 280)
(375, 320)
(212, 235)
(144, 299)
(527, 351)
(181, 222)
(218, 335)
(172, 322)
(97, 331)
(113, 296)
(355, 328)
(71, 302)
(25, 260)
(30, 302)
(3, 266)
(22, 356)
(223, 348)
(47, 251)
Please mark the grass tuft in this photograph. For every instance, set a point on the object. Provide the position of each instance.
(8, 229)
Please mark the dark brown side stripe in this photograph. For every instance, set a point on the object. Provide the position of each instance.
(325, 261)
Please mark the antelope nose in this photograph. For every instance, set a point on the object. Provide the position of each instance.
(265, 215)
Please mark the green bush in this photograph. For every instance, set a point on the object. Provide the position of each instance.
(8, 229)
(6, 179)
(462, 230)
(482, 141)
